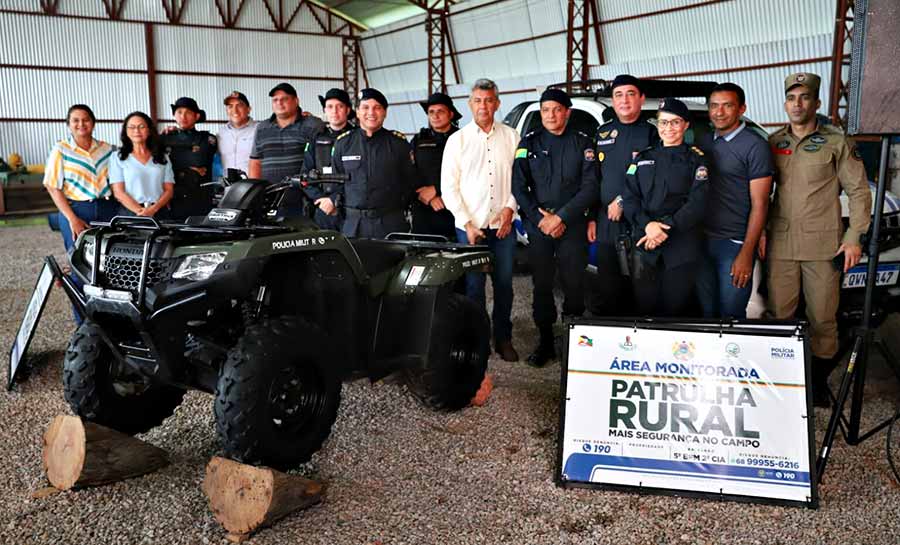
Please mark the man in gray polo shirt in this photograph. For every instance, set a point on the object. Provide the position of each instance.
(740, 183)
(281, 141)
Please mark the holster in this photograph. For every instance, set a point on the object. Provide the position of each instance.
(640, 270)
(624, 250)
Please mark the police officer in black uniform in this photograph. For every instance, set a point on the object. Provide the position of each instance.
(555, 183)
(191, 152)
(429, 216)
(665, 199)
(617, 141)
(338, 114)
(380, 165)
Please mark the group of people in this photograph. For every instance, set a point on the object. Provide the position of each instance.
(673, 223)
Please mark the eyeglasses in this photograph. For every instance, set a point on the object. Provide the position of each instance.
(136, 127)
(674, 123)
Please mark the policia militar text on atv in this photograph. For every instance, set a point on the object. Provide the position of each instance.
(270, 315)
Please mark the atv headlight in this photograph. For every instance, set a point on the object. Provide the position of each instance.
(88, 250)
(199, 266)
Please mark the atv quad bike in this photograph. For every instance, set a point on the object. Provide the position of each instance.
(269, 316)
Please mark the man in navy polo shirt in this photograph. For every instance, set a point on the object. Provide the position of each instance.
(741, 181)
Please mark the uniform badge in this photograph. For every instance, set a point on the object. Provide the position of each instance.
(614, 133)
(701, 174)
(784, 144)
(800, 77)
(601, 156)
(817, 139)
(632, 168)
(603, 134)
(589, 154)
(646, 163)
(812, 148)
(195, 149)
(212, 140)
(351, 157)
(606, 142)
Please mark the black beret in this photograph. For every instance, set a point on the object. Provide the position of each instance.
(556, 95)
(373, 94)
(675, 107)
(341, 95)
(284, 86)
(626, 79)
(443, 100)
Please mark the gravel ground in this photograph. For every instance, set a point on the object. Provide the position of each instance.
(396, 473)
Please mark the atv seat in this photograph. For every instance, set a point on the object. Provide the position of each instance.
(378, 255)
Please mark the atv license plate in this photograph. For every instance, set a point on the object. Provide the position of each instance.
(887, 276)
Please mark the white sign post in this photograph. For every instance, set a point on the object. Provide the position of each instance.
(29, 321)
(675, 409)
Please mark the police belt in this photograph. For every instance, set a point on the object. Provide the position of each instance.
(373, 212)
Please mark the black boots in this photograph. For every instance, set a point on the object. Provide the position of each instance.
(545, 351)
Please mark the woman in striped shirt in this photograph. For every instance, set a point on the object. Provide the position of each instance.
(76, 176)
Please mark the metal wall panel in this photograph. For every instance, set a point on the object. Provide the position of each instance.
(248, 52)
(90, 8)
(145, 10)
(33, 140)
(36, 40)
(209, 93)
(21, 5)
(109, 95)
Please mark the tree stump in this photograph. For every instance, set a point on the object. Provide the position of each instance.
(79, 454)
(245, 498)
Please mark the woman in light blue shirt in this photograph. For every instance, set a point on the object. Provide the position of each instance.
(140, 173)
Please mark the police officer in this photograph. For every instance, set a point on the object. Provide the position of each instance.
(555, 183)
(338, 114)
(379, 162)
(191, 152)
(618, 141)
(813, 162)
(429, 216)
(665, 199)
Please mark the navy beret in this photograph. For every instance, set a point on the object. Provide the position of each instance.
(626, 79)
(556, 95)
(676, 107)
(373, 94)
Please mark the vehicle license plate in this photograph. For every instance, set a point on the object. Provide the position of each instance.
(887, 275)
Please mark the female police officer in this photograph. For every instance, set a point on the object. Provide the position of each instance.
(664, 200)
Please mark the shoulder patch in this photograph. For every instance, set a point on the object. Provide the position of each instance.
(855, 153)
(589, 154)
(530, 134)
(399, 134)
(582, 134)
(632, 168)
(701, 173)
(818, 139)
(342, 135)
(521, 153)
(697, 150)
(212, 140)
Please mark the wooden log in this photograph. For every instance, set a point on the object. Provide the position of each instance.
(78, 454)
(245, 498)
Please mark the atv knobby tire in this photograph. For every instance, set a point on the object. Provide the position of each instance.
(457, 357)
(91, 393)
(277, 396)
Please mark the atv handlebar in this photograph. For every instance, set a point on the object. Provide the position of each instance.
(314, 177)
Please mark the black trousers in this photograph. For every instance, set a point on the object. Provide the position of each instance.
(610, 292)
(363, 224)
(428, 222)
(330, 222)
(547, 256)
(666, 292)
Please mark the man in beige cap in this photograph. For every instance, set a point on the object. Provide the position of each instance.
(806, 246)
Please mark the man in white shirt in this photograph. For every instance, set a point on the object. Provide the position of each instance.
(236, 137)
(476, 185)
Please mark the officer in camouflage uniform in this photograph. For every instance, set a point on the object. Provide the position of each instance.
(806, 239)
(338, 112)
(191, 152)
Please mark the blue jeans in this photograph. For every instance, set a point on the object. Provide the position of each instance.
(718, 297)
(87, 211)
(504, 250)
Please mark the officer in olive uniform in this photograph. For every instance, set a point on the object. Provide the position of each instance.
(555, 183)
(618, 141)
(429, 216)
(191, 152)
(380, 165)
(806, 239)
(665, 199)
(338, 113)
